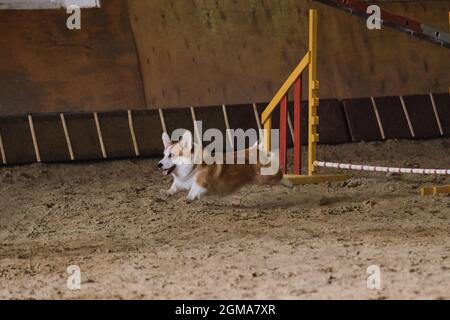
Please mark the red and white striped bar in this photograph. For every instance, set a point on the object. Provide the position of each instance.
(362, 167)
(406, 25)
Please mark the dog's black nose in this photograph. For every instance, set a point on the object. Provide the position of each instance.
(160, 165)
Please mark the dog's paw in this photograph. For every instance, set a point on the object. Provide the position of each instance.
(287, 183)
(190, 199)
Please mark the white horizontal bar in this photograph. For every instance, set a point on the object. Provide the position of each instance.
(361, 167)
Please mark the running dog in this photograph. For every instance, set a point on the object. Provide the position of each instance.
(213, 179)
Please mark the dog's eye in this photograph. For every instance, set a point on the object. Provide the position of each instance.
(170, 156)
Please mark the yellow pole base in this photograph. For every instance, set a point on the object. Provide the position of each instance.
(319, 178)
(432, 191)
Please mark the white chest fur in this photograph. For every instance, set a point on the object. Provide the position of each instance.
(183, 183)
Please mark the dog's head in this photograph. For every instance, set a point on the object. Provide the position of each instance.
(177, 155)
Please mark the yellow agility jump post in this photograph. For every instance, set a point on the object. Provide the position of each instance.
(313, 94)
(309, 60)
(436, 190)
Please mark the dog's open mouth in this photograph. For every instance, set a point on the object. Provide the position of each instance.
(166, 172)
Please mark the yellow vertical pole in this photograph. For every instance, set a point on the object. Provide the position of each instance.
(267, 134)
(313, 103)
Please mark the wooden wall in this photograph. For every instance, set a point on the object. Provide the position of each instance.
(206, 52)
(137, 54)
(46, 67)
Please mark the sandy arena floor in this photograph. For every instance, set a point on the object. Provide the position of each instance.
(314, 241)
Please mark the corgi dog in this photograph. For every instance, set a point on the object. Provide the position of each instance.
(212, 179)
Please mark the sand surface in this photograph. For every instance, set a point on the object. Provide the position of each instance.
(314, 241)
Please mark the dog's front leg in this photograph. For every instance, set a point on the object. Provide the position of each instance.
(172, 191)
(195, 192)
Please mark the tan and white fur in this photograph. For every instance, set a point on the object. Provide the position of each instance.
(213, 179)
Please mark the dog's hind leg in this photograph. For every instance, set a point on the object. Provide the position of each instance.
(286, 182)
(275, 179)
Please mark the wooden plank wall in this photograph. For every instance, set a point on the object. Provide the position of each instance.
(122, 134)
(207, 52)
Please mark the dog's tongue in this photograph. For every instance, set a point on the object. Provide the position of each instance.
(166, 172)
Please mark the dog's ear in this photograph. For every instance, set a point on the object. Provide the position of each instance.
(166, 140)
(186, 140)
